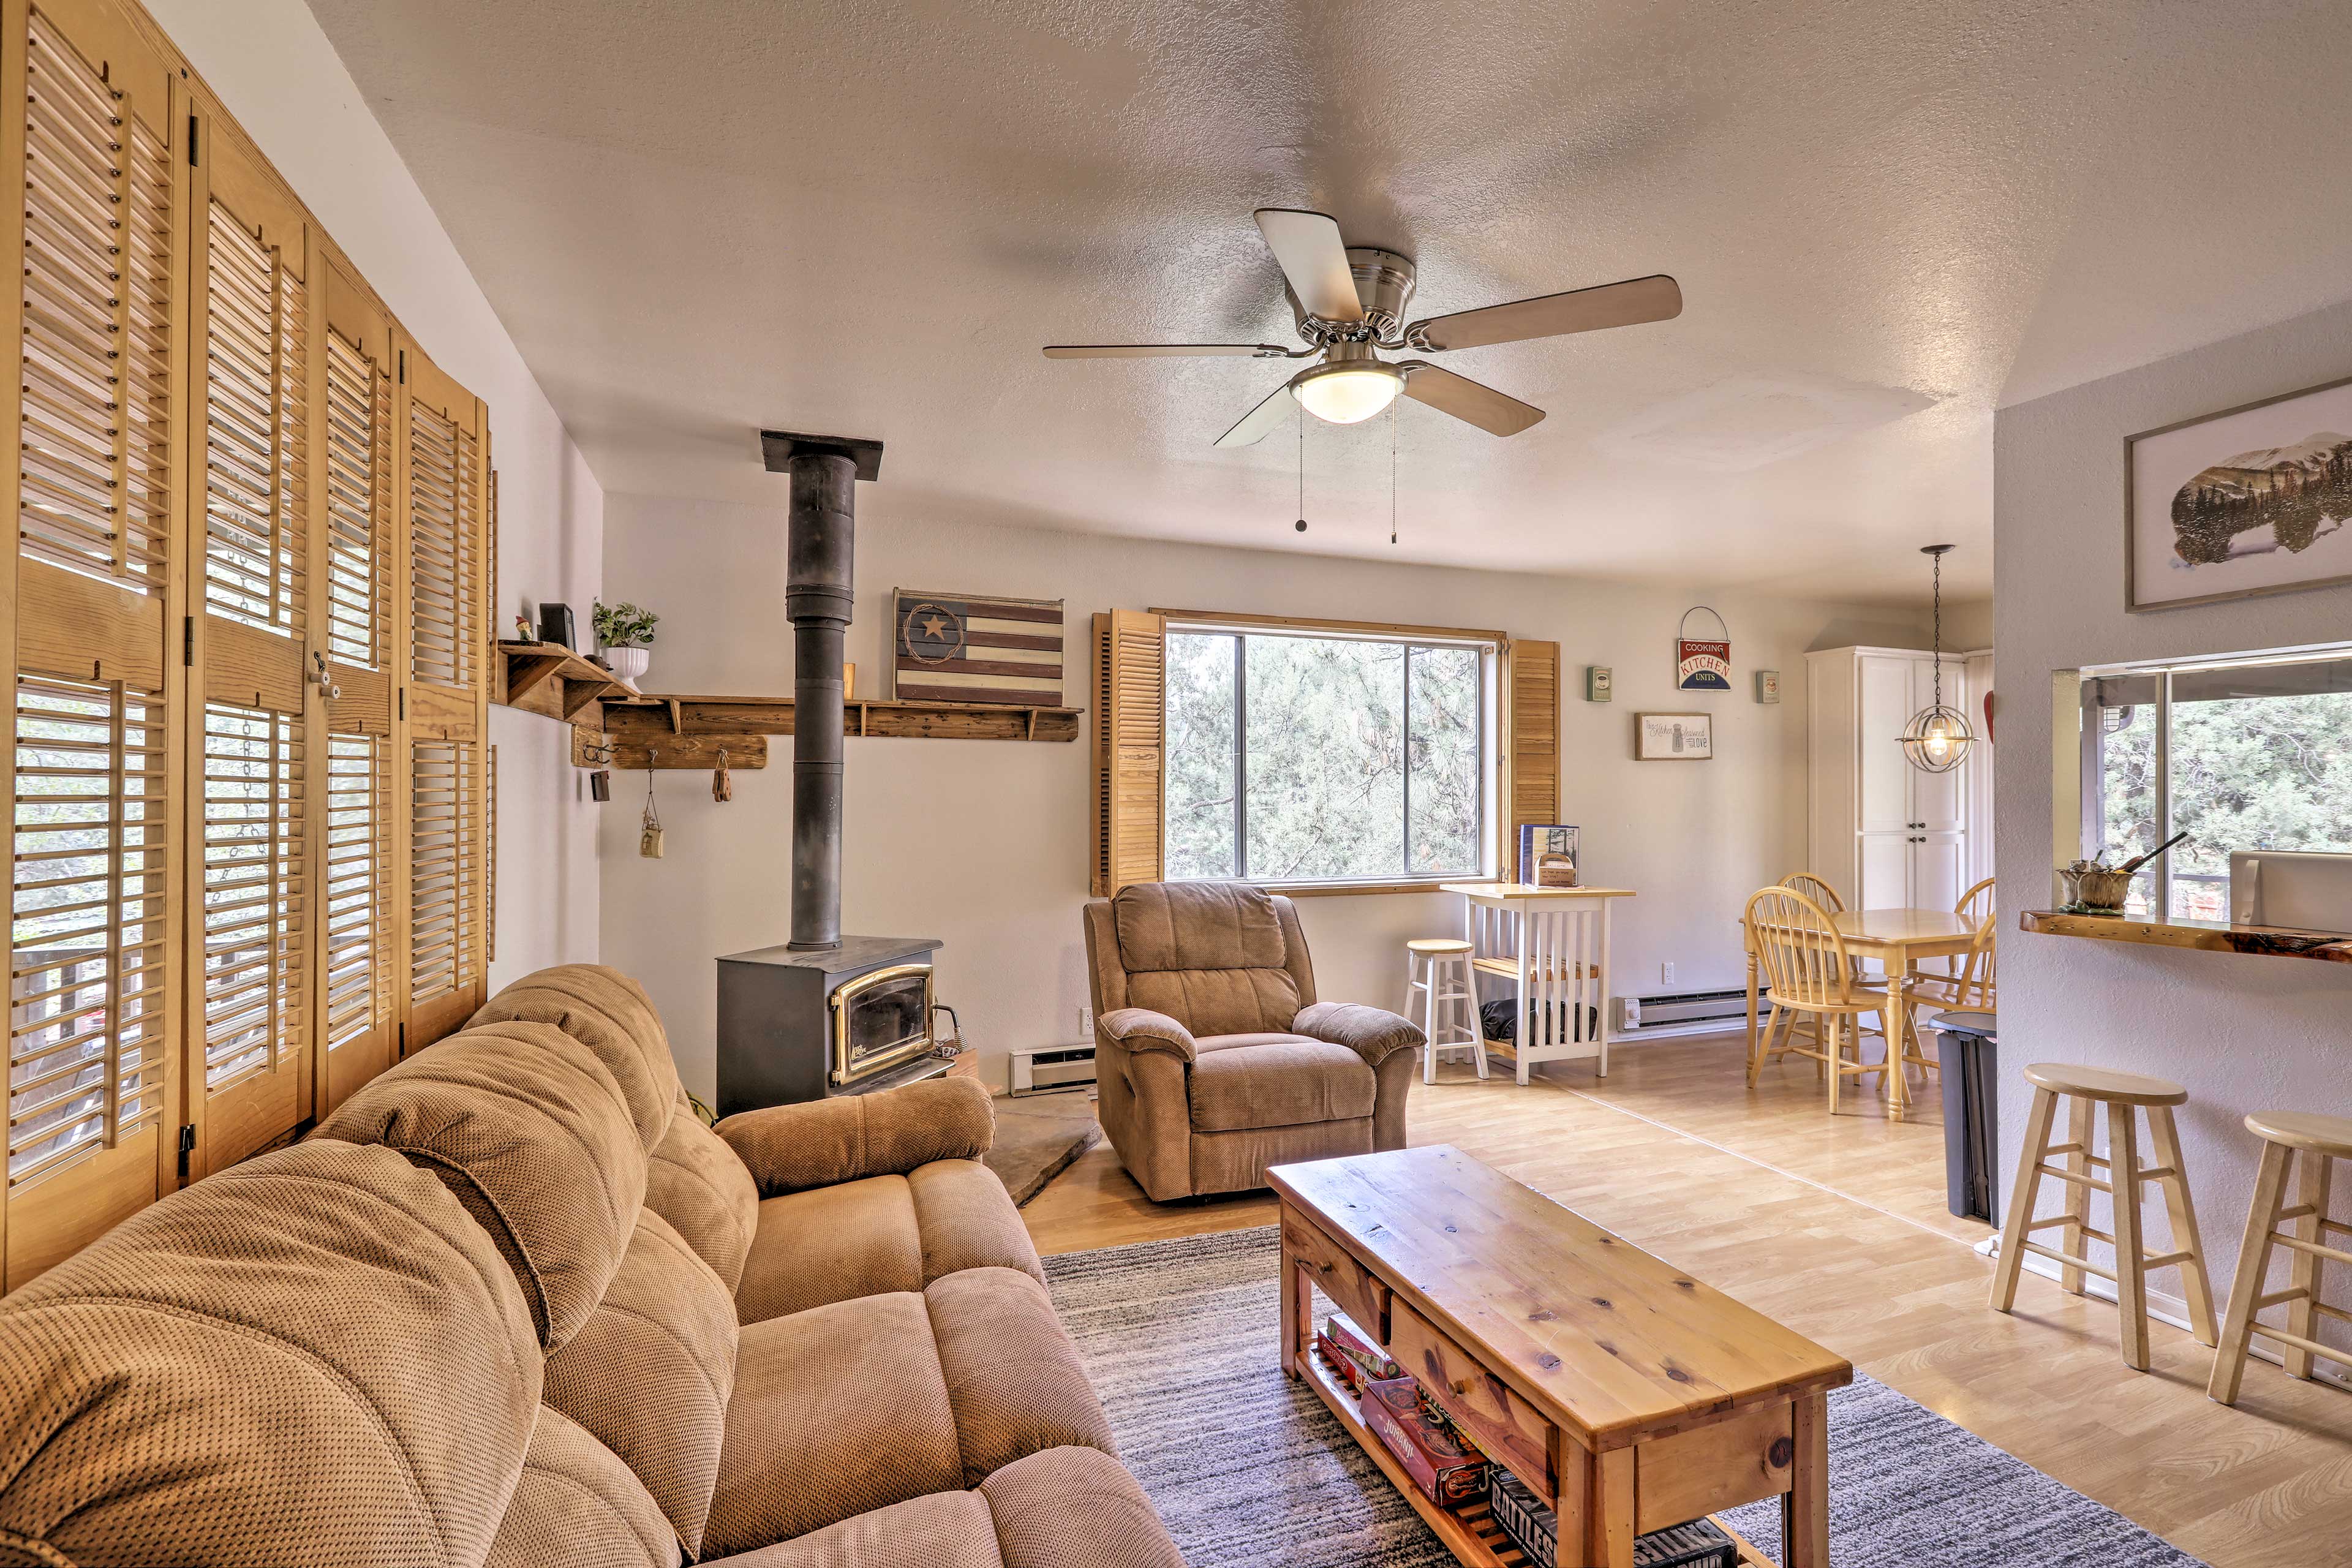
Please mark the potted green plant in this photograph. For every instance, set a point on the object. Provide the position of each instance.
(626, 634)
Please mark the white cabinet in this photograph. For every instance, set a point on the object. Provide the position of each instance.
(1881, 832)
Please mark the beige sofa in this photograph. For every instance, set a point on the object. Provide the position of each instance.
(514, 1304)
(1214, 1059)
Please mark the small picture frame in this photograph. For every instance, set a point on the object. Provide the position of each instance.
(1673, 737)
(1597, 681)
(1768, 686)
(555, 626)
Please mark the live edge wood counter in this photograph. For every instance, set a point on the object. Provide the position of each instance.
(1624, 1393)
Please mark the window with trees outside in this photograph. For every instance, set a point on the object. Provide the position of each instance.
(1316, 756)
(2253, 754)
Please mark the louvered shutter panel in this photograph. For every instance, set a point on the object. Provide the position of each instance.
(444, 477)
(250, 1062)
(1533, 728)
(1130, 724)
(95, 676)
(356, 464)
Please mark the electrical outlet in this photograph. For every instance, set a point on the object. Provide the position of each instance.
(1665, 974)
(1086, 1022)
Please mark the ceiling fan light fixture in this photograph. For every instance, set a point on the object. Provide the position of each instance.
(1348, 393)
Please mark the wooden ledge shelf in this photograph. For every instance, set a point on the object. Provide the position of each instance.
(549, 679)
(688, 731)
(2209, 936)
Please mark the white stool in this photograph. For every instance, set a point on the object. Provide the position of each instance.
(1439, 968)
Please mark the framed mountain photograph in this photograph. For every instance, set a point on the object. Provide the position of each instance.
(2250, 501)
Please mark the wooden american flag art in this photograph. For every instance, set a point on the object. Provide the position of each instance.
(962, 647)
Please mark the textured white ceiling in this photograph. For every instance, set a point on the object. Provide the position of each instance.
(698, 218)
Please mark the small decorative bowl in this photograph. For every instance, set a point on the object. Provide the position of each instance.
(2098, 891)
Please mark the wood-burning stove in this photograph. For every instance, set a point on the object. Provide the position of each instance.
(795, 1026)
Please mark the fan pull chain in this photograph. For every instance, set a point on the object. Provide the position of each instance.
(1301, 523)
(1393, 438)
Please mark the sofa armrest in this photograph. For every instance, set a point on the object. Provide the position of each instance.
(1374, 1034)
(1141, 1029)
(820, 1143)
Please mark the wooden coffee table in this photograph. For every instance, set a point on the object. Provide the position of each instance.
(1626, 1394)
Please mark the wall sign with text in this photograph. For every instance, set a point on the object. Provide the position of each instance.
(1702, 664)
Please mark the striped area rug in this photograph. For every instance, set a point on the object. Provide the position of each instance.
(1248, 1467)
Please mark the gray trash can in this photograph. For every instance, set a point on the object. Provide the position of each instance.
(1968, 1047)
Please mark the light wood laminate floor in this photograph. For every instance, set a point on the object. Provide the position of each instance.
(1838, 1229)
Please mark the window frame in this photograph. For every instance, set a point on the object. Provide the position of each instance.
(2090, 746)
(1493, 746)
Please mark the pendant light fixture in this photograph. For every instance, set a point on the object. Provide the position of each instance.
(1938, 739)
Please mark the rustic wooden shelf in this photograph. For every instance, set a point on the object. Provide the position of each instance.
(688, 731)
(549, 679)
(2209, 936)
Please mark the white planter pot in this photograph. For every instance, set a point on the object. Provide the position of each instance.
(629, 663)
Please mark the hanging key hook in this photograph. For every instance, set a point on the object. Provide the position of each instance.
(325, 682)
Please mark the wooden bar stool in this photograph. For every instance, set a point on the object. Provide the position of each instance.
(2323, 1141)
(1439, 968)
(2125, 1095)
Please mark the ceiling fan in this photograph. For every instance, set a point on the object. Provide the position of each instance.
(1350, 304)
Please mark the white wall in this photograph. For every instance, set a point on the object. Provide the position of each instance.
(985, 843)
(276, 71)
(2242, 1033)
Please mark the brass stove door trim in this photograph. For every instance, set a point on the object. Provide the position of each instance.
(847, 991)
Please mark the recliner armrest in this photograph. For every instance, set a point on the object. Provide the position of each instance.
(1374, 1034)
(1141, 1029)
(821, 1143)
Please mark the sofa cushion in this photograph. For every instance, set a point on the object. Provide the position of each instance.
(886, 1233)
(578, 1503)
(1012, 1373)
(944, 1530)
(1066, 1508)
(534, 1136)
(695, 1181)
(1069, 1506)
(233, 1376)
(837, 1410)
(1283, 1083)
(611, 1014)
(649, 1375)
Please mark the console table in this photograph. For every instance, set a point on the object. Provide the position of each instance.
(1553, 943)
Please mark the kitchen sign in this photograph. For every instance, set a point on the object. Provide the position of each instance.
(1701, 664)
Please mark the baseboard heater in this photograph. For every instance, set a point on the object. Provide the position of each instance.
(1680, 1012)
(1045, 1069)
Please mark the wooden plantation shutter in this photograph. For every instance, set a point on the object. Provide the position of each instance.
(251, 937)
(1533, 732)
(444, 474)
(1130, 724)
(92, 447)
(356, 461)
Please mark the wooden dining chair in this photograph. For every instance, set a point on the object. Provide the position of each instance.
(1820, 892)
(1815, 888)
(1964, 980)
(1811, 977)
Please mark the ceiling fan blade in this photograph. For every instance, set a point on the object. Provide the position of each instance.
(1315, 258)
(1626, 304)
(1160, 350)
(1496, 413)
(1260, 421)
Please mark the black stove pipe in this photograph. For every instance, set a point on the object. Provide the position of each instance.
(820, 549)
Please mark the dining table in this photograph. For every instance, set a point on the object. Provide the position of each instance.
(1895, 939)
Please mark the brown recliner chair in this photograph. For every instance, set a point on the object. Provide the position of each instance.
(1214, 1059)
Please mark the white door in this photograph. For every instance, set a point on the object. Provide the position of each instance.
(1938, 801)
(1885, 707)
(1940, 869)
